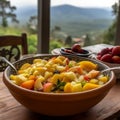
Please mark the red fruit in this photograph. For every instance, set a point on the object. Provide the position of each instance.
(116, 50)
(76, 47)
(116, 59)
(80, 51)
(99, 56)
(105, 51)
(68, 51)
(110, 49)
(106, 58)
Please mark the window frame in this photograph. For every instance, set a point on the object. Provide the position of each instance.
(43, 26)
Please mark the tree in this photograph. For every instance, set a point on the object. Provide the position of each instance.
(111, 36)
(6, 11)
(117, 39)
(87, 40)
(68, 40)
(32, 24)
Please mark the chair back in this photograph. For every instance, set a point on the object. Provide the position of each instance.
(12, 47)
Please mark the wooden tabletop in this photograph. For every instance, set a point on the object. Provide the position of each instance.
(107, 109)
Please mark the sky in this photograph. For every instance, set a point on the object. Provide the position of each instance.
(78, 3)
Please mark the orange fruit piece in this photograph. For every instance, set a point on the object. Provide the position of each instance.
(28, 84)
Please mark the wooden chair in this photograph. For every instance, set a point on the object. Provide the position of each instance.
(12, 47)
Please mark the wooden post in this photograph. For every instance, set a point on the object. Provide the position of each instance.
(43, 25)
(117, 39)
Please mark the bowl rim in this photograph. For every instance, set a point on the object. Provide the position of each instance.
(13, 86)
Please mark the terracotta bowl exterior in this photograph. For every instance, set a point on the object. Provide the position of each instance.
(57, 104)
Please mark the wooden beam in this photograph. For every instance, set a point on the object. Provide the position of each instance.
(43, 25)
(117, 37)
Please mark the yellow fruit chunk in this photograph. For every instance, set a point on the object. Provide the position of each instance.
(89, 86)
(77, 87)
(87, 65)
(68, 76)
(37, 60)
(94, 81)
(68, 88)
(55, 78)
(38, 84)
(104, 79)
(25, 66)
(18, 79)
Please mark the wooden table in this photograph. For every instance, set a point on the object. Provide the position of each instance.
(107, 109)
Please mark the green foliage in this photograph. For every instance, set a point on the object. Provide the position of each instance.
(55, 44)
(87, 40)
(32, 43)
(32, 24)
(109, 35)
(6, 11)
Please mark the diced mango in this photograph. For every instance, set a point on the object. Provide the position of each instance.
(77, 87)
(37, 60)
(94, 81)
(25, 66)
(71, 76)
(47, 75)
(41, 78)
(104, 79)
(18, 79)
(89, 86)
(55, 78)
(68, 88)
(87, 65)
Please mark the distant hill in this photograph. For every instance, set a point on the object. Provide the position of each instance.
(71, 19)
(24, 13)
(72, 13)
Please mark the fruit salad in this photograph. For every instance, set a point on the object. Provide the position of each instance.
(59, 75)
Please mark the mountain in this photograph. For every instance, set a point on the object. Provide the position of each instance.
(71, 19)
(24, 13)
(72, 13)
(78, 21)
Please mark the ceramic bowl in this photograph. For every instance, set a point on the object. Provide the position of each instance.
(57, 104)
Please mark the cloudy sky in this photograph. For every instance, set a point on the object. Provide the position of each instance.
(80, 3)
